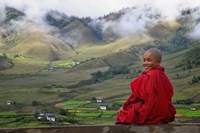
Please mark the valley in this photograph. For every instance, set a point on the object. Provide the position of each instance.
(31, 80)
(62, 66)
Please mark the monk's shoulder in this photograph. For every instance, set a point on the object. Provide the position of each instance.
(144, 76)
(153, 73)
(150, 73)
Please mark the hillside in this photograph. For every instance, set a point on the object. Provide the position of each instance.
(182, 80)
(185, 79)
(5, 63)
(36, 43)
(71, 29)
(68, 37)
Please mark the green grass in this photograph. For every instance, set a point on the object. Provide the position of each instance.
(196, 105)
(24, 65)
(25, 96)
(188, 113)
(87, 109)
(87, 114)
(20, 58)
(74, 102)
(7, 114)
(109, 112)
(95, 51)
(63, 63)
(76, 108)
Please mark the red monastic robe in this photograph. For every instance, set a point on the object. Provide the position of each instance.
(150, 101)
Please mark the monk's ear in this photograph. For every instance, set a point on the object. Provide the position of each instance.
(158, 62)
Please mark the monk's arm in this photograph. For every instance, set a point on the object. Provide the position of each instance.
(132, 99)
(135, 85)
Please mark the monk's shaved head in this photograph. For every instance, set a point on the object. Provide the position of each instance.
(156, 52)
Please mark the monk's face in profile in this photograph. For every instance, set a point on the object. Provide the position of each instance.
(150, 60)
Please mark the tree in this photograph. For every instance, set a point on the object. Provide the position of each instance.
(36, 103)
(177, 75)
(65, 112)
(100, 76)
(62, 112)
(94, 99)
(97, 76)
(5, 56)
(194, 80)
(116, 106)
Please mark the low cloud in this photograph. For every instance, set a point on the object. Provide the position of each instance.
(97, 8)
(2, 13)
(195, 33)
(136, 20)
(133, 22)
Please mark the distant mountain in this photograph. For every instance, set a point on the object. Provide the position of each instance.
(38, 44)
(105, 29)
(72, 30)
(68, 37)
(23, 37)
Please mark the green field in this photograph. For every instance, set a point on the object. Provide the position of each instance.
(79, 109)
(8, 114)
(189, 113)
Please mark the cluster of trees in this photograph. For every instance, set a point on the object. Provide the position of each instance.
(70, 117)
(184, 66)
(193, 56)
(24, 119)
(192, 59)
(115, 106)
(195, 79)
(100, 76)
(36, 103)
(60, 21)
(137, 72)
(64, 112)
(64, 20)
(185, 101)
(5, 62)
(93, 99)
(12, 13)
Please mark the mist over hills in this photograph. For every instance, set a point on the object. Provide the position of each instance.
(59, 36)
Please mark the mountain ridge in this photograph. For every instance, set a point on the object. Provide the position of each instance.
(69, 37)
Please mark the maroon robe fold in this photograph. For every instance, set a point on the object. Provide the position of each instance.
(150, 101)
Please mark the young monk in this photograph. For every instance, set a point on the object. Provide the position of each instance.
(150, 101)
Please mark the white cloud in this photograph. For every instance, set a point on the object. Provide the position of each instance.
(96, 8)
(195, 33)
(168, 9)
(133, 22)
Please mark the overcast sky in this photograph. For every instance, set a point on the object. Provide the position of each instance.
(96, 8)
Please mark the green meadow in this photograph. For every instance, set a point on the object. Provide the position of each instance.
(188, 113)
